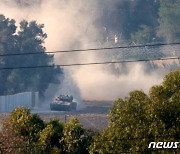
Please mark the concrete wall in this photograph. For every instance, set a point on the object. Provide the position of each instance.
(25, 99)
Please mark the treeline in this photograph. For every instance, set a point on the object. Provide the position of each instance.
(28, 38)
(136, 22)
(134, 122)
(24, 129)
(143, 21)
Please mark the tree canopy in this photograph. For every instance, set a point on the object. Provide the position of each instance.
(169, 15)
(52, 136)
(143, 21)
(139, 119)
(28, 38)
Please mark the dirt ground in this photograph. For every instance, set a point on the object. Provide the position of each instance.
(94, 116)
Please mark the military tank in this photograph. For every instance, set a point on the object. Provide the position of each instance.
(63, 103)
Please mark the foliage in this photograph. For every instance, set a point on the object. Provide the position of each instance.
(160, 18)
(140, 119)
(8, 138)
(127, 17)
(54, 136)
(51, 134)
(128, 120)
(29, 38)
(75, 139)
(26, 124)
(143, 36)
(169, 13)
(166, 103)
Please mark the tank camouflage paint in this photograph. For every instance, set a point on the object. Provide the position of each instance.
(63, 103)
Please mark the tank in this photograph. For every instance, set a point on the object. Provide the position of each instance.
(63, 103)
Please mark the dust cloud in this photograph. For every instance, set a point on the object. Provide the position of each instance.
(74, 25)
(100, 85)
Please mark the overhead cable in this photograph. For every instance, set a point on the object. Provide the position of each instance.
(92, 49)
(92, 63)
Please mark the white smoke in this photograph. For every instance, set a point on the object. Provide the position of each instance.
(69, 86)
(100, 85)
(71, 25)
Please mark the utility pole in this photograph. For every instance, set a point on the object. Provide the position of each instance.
(65, 118)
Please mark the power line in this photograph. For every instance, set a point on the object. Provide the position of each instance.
(130, 11)
(92, 49)
(93, 63)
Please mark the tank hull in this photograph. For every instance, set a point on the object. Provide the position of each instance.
(63, 103)
(61, 107)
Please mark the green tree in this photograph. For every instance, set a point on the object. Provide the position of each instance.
(75, 140)
(7, 43)
(29, 38)
(140, 119)
(127, 17)
(128, 121)
(144, 35)
(169, 13)
(51, 135)
(26, 129)
(26, 124)
(166, 103)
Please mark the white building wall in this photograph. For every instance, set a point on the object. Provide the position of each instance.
(10, 102)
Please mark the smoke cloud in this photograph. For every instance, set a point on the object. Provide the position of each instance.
(74, 25)
(101, 85)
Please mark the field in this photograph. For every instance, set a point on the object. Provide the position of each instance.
(94, 116)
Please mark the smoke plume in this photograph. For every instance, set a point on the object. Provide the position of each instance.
(74, 25)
